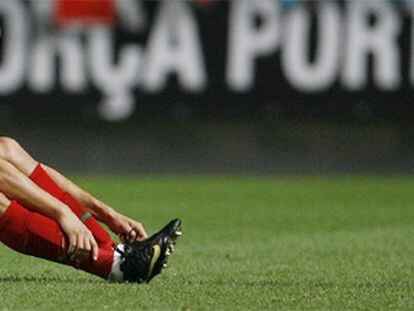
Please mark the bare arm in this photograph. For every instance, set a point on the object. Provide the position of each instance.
(12, 153)
(15, 185)
(100, 210)
(126, 228)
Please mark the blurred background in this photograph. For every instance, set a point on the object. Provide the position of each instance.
(257, 86)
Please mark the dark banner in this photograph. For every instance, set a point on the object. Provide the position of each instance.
(127, 59)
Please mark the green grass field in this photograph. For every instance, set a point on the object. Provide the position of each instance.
(249, 243)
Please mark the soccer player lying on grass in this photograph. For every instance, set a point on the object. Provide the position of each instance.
(43, 214)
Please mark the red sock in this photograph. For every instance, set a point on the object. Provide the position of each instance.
(37, 235)
(44, 181)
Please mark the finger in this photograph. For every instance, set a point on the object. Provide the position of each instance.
(64, 253)
(132, 236)
(88, 246)
(140, 229)
(95, 249)
(72, 245)
(127, 230)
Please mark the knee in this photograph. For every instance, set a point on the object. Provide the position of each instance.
(9, 148)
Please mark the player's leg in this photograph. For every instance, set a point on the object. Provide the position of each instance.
(34, 234)
(15, 185)
(39, 236)
(128, 229)
(12, 152)
(41, 178)
(134, 261)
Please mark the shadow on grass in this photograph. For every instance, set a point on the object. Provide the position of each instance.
(47, 279)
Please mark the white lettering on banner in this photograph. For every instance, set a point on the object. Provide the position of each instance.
(346, 38)
(47, 46)
(174, 47)
(115, 80)
(41, 11)
(295, 49)
(42, 62)
(379, 39)
(12, 68)
(132, 15)
(247, 41)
